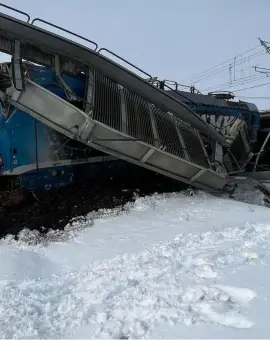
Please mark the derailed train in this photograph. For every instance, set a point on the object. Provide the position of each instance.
(42, 158)
(36, 155)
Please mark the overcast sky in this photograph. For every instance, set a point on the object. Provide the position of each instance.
(173, 39)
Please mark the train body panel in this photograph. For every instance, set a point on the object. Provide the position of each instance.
(40, 157)
(222, 113)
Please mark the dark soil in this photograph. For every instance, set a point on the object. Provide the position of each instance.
(54, 209)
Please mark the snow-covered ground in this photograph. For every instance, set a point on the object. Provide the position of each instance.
(167, 266)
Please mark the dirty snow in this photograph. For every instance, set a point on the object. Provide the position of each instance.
(168, 266)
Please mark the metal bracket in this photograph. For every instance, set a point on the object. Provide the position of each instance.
(197, 175)
(16, 67)
(89, 92)
(154, 126)
(87, 131)
(147, 155)
(123, 110)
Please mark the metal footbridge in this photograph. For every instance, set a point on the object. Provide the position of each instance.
(122, 114)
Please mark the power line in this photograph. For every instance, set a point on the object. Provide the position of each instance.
(253, 97)
(244, 80)
(252, 87)
(227, 67)
(264, 44)
(240, 82)
(225, 62)
(245, 77)
(235, 83)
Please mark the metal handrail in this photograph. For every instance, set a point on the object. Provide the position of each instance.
(124, 60)
(17, 10)
(65, 30)
(175, 91)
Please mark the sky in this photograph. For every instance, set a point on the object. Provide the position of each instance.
(172, 39)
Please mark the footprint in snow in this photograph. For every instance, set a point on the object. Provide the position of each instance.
(216, 303)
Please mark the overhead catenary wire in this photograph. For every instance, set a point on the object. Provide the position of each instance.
(253, 97)
(226, 67)
(227, 62)
(239, 79)
(232, 84)
(237, 83)
(252, 87)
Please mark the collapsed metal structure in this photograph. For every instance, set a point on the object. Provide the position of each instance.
(122, 114)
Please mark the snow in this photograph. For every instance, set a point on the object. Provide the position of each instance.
(177, 265)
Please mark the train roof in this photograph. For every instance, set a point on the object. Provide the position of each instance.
(189, 97)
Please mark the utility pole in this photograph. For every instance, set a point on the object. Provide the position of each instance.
(264, 70)
(265, 45)
(234, 68)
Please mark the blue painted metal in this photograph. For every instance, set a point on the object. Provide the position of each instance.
(211, 106)
(40, 156)
(45, 77)
(252, 118)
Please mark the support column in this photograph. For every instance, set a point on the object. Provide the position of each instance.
(123, 110)
(183, 144)
(68, 91)
(89, 92)
(154, 126)
(17, 71)
(203, 148)
(219, 156)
